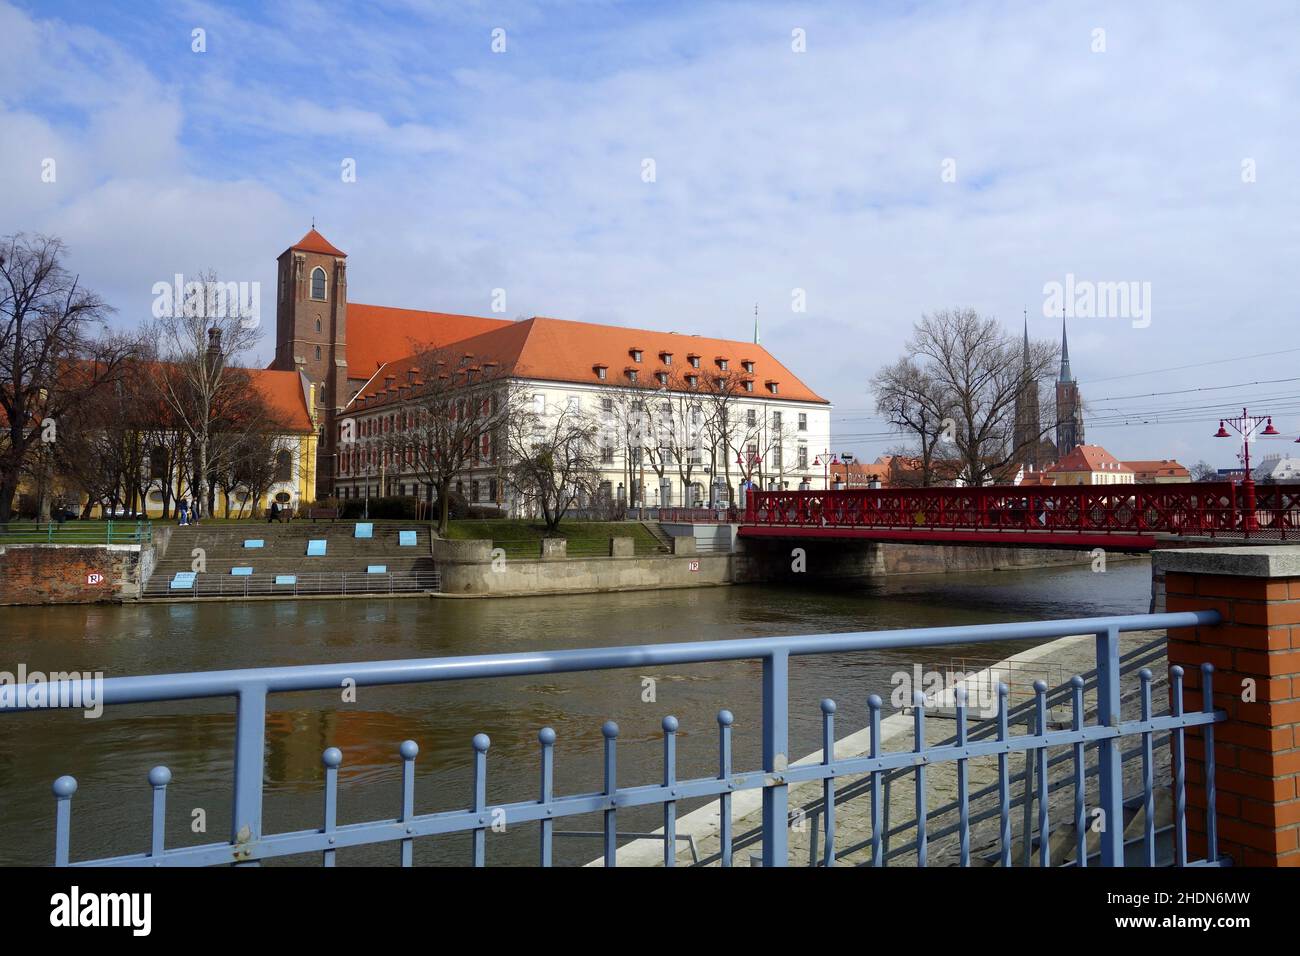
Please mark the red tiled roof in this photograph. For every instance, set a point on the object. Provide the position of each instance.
(558, 350)
(283, 392)
(379, 334)
(1090, 458)
(313, 241)
(1164, 468)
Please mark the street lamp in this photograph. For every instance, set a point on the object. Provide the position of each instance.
(1246, 426)
(826, 467)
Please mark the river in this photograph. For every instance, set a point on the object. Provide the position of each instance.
(111, 756)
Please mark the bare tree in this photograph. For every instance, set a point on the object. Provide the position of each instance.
(451, 416)
(49, 326)
(554, 462)
(913, 402)
(968, 369)
(199, 339)
(1204, 471)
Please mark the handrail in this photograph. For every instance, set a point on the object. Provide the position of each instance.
(229, 683)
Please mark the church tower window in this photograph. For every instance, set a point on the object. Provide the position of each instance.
(318, 283)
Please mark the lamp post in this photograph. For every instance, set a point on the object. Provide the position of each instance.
(826, 463)
(1246, 426)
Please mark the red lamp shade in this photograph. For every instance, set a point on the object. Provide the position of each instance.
(1222, 432)
(1270, 430)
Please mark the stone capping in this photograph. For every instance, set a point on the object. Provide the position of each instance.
(473, 551)
(622, 547)
(1266, 561)
(684, 544)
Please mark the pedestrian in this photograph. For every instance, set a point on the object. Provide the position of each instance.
(274, 514)
(182, 512)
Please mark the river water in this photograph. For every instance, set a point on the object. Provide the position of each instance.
(111, 756)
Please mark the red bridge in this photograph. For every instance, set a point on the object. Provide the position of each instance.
(1117, 517)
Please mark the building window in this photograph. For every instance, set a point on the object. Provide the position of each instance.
(607, 455)
(749, 386)
(776, 456)
(749, 367)
(601, 371)
(803, 456)
(723, 364)
(631, 375)
(694, 360)
(283, 466)
(318, 283)
(318, 325)
(158, 463)
(803, 421)
(692, 380)
(636, 355)
(667, 357)
(776, 421)
(751, 417)
(318, 353)
(662, 377)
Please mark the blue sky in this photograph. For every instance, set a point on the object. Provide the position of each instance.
(775, 171)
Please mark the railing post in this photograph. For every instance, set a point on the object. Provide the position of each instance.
(776, 795)
(250, 753)
(1110, 772)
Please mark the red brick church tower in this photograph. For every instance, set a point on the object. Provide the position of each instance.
(311, 310)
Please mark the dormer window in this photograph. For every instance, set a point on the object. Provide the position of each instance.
(666, 357)
(694, 360)
(601, 371)
(723, 363)
(318, 283)
(749, 385)
(773, 386)
(662, 377)
(748, 365)
(692, 380)
(410, 374)
(631, 374)
(636, 354)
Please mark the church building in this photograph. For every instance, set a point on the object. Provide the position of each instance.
(354, 355)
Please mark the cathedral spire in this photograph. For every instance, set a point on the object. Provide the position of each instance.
(1026, 351)
(1065, 354)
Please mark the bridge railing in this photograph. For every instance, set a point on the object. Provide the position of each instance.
(249, 690)
(1213, 509)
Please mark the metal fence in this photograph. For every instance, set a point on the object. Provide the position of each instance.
(76, 532)
(311, 583)
(249, 690)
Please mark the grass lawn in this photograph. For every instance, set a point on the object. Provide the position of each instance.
(521, 538)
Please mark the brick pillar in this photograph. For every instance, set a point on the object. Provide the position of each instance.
(1257, 751)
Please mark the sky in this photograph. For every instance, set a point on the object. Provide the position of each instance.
(844, 167)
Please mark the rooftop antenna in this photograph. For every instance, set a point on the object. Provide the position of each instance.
(756, 342)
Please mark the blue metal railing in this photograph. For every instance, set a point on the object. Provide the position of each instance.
(250, 688)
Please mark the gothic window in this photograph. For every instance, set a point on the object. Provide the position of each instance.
(318, 283)
(283, 465)
(318, 325)
(318, 349)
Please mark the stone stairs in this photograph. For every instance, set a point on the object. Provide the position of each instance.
(217, 547)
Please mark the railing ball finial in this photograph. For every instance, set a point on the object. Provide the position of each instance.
(1207, 668)
(65, 786)
(546, 735)
(1176, 672)
(1076, 681)
(874, 702)
(725, 718)
(332, 757)
(609, 729)
(1003, 690)
(481, 743)
(828, 705)
(1040, 686)
(408, 749)
(160, 777)
(670, 724)
(1145, 674)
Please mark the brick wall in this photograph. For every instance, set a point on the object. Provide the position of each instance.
(66, 574)
(1256, 655)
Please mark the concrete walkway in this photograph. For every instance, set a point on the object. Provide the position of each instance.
(1064, 657)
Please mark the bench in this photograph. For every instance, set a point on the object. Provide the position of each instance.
(286, 579)
(316, 547)
(376, 569)
(406, 539)
(330, 514)
(244, 571)
(364, 530)
(183, 579)
(254, 542)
